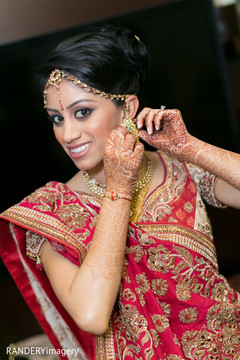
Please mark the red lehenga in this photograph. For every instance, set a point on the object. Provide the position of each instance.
(173, 304)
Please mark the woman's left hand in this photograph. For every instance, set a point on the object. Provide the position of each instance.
(165, 129)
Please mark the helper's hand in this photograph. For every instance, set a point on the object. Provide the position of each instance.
(122, 161)
(165, 130)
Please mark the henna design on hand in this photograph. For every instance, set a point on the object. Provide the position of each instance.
(170, 132)
(122, 161)
(173, 138)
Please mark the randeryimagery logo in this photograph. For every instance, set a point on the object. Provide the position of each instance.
(14, 351)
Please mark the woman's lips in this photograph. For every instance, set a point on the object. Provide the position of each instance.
(78, 151)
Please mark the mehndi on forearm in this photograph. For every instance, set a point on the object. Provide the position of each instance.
(223, 163)
(106, 252)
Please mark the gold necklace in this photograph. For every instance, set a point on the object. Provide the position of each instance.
(139, 191)
(99, 188)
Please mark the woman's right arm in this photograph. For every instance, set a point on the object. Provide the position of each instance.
(88, 293)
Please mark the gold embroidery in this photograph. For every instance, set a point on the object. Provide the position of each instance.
(34, 245)
(165, 307)
(145, 240)
(160, 259)
(155, 337)
(73, 215)
(188, 316)
(133, 324)
(157, 206)
(143, 282)
(57, 200)
(171, 219)
(159, 287)
(45, 225)
(188, 207)
(186, 237)
(161, 322)
(203, 344)
(135, 251)
(144, 286)
(125, 272)
(105, 345)
(127, 294)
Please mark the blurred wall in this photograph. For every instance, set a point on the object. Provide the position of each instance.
(21, 19)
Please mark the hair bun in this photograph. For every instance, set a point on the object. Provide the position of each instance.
(136, 54)
(109, 58)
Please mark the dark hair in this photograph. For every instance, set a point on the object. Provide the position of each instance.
(108, 58)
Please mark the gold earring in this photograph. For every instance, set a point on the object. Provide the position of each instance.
(129, 124)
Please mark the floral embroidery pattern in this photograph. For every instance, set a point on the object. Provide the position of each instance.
(161, 322)
(159, 287)
(188, 315)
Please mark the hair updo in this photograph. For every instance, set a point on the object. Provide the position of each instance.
(109, 58)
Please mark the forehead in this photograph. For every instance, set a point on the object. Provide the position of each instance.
(69, 92)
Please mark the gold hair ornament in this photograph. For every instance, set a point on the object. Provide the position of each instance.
(57, 76)
(136, 37)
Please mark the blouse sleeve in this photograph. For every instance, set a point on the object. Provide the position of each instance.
(34, 247)
(205, 183)
(35, 244)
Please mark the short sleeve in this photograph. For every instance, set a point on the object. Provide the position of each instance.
(35, 244)
(205, 183)
(34, 247)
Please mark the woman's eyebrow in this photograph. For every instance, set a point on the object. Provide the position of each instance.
(79, 101)
(54, 110)
(71, 105)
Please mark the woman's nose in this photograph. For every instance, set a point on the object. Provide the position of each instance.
(71, 130)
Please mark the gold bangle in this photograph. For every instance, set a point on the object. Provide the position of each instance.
(115, 196)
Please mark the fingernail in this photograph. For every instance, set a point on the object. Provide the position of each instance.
(157, 128)
(149, 131)
(138, 125)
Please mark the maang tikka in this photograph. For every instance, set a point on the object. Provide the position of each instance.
(57, 76)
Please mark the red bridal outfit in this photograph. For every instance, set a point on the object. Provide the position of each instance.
(173, 304)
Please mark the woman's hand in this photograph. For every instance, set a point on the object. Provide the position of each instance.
(165, 129)
(122, 161)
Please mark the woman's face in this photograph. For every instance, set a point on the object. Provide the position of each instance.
(82, 122)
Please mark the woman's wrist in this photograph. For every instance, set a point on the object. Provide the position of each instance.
(113, 195)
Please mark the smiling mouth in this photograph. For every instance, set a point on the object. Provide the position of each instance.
(80, 148)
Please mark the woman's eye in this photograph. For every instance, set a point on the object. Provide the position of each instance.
(56, 119)
(82, 113)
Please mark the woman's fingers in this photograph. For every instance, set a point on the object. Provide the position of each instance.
(129, 142)
(150, 118)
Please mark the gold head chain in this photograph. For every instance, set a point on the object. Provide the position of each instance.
(57, 76)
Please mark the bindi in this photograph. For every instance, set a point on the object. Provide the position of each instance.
(61, 106)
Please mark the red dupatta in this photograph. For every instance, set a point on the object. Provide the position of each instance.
(34, 214)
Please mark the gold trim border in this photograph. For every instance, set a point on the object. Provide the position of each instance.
(43, 224)
(189, 238)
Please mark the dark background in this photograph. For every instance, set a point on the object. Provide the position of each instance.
(189, 70)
